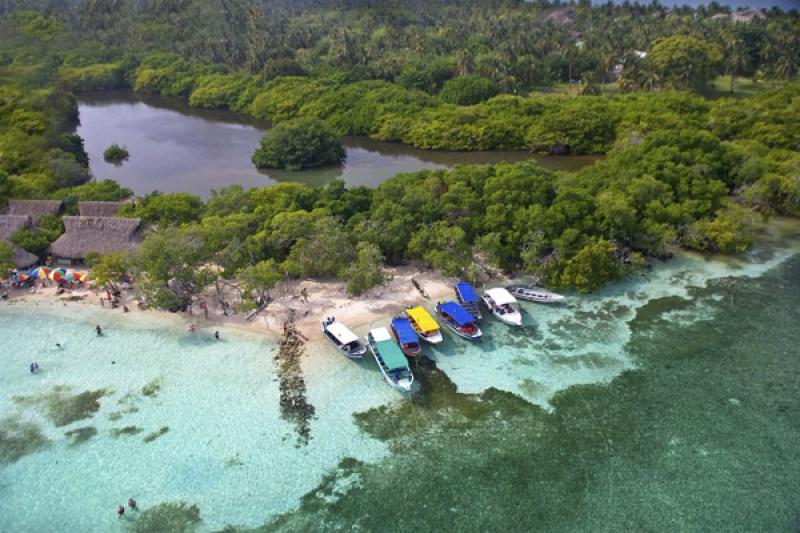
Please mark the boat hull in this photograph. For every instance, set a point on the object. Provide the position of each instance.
(473, 337)
(401, 385)
(355, 355)
(434, 339)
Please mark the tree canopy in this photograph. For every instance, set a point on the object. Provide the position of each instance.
(298, 144)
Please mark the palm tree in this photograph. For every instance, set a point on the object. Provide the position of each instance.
(737, 59)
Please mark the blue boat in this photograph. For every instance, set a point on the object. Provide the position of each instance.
(406, 336)
(468, 299)
(459, 320)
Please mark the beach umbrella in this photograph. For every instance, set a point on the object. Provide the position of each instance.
(23, 277)
(40, 272)
(58, 274)
(70, 276)
(77, 275)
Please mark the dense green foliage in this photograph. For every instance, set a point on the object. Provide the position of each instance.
(37, 240)
(6, 258)
(681, 169)
(298, 144)
(115, 154)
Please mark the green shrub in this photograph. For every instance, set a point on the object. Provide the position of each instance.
(298, 144)
(468, 90)
(115, 154)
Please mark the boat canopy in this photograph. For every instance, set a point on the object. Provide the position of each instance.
(466, 292)
(423, 319)
(501, 296)
(405, 333)
(457, 313)
(388, 350)
(341, 333)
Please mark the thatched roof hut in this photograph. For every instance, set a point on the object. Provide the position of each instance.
(9, 225)
(96, 234)
(99, 209)
(35, 209)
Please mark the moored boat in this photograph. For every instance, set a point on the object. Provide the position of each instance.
(424, 325)
(345, 340)
(502, 304)
(391, 361)
(468, 299)
(406, 337)
(536, 295)
(459, 320)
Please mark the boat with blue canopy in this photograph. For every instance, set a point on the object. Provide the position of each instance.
(459, 320)
(406, 337)
(391, 361)
(468, 299)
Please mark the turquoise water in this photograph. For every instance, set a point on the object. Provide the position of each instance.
(668, 402)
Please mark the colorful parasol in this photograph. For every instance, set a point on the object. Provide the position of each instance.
(70, 276)
(40, 272)
(58, 274)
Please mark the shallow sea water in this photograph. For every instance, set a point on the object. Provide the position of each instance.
(667, 402)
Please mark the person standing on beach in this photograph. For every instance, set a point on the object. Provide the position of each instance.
(216, 335)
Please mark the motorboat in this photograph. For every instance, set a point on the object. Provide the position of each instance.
(424, 325)
(503, 306)
(536, 295)
(345, 340)
(390, 359)
(406, 337)
(468, 299)
(459, 320)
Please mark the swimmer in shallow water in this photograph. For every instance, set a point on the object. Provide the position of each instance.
(99, 330)
(216, 335)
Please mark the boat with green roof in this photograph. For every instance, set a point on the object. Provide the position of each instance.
(390, 359)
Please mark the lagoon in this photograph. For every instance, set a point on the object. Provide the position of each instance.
(176, 148)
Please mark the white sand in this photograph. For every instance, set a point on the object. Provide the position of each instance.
(325, 298)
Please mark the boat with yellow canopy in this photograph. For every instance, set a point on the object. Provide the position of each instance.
(424, 324)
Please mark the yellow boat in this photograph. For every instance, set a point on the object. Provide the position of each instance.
(424, 324)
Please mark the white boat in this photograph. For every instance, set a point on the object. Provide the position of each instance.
(503, 305)
(390, 359)
(536, 295)
(345, 340)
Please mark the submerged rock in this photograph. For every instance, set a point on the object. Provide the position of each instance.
(294, 406)
(152, 388)
(150, 437)
(175, 517)
(126, 431)
(18, 439)
(80, 435)
(61, 408)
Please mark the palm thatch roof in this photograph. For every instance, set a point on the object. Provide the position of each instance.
(36, 209)
(9, 225)
(99, 209)
(96, 234)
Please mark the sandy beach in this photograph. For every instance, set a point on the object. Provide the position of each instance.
(322, 298)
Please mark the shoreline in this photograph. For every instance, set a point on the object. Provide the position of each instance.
(324, 298)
